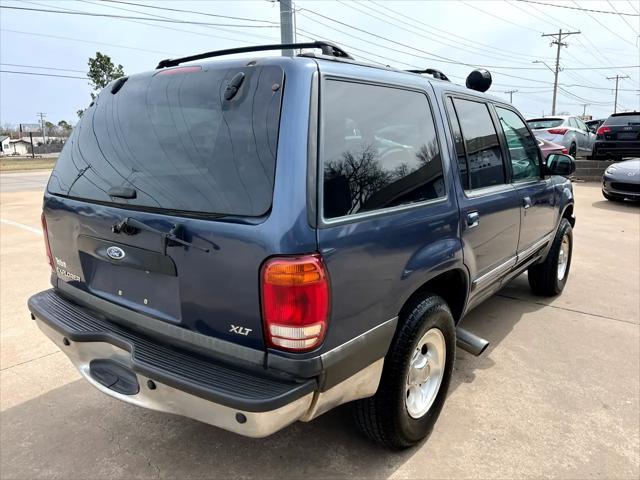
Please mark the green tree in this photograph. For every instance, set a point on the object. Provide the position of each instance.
(102, 70)
(64, 125)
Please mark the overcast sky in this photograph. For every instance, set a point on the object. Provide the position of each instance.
(504, 36)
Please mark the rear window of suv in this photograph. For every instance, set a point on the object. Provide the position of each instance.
(539, 123)
(174, 139)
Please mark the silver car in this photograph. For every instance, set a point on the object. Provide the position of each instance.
(570, 132)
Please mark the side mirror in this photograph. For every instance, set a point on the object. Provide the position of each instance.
(560, 164)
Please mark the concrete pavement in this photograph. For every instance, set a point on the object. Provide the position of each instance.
(556, 394)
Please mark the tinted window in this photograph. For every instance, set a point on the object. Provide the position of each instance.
(623, 120)
(173, 138)
(484, 157)
(379, 149)
(523, 148)
(459, 143)
(540, 123)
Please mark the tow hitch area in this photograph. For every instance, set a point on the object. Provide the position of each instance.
(114, 376)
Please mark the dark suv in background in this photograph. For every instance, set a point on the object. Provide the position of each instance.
(618, 137)
(252, 242)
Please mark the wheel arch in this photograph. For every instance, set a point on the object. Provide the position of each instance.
(452, 285)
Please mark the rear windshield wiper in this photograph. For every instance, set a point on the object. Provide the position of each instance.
(130, 226)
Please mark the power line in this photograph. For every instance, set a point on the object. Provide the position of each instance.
(607, 28)
(500, 18)
(91, 42)
(174, 29)
(501, 50)
(577, 8)
(127, 17)
(42, 68)
(623, 19)
(42, 74)
(191, 11)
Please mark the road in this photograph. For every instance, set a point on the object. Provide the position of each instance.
(555, 395)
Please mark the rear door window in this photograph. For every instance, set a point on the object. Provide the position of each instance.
(174, 140)
(379, 149)
(485, 164)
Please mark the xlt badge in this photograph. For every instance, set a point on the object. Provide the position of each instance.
(240, 330)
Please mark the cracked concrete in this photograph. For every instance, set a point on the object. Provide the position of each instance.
(556, 394)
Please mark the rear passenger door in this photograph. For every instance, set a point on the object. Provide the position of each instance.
(386, 216)
(489, 205)
(536, 194)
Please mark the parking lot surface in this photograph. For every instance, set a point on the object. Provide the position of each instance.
(555, 395)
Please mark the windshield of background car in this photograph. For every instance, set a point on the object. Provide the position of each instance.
(539, 123)
(174, 139)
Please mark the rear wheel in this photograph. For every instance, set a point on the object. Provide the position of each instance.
(549, 277)
(415, 378)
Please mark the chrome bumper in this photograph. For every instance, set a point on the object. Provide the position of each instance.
(164, 398)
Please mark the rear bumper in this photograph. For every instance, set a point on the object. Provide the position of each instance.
(617, 148)
(241, 399)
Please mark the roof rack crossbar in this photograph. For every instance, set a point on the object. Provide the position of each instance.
(327, 48)
(433, 72)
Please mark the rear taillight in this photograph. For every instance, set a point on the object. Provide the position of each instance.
(565, 151)
(45, 232)
(602, 130)
(295, 302)
(558, 131)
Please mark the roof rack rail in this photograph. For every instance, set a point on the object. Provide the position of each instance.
(327, 48)
(433, 72)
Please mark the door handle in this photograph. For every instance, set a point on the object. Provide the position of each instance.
(473, 219)
(526, 202)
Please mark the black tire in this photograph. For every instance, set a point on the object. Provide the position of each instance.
(384, 418)
(612, 198)
(543, 277)
(573, 150)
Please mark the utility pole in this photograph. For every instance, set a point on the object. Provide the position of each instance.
(616, 78)
(584, 110)
(511, 92)
(557, 40)
(41, 115)
(286, 26)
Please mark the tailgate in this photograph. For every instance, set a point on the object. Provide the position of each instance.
(160, 200)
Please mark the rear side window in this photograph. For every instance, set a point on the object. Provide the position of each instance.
(174, 140)
(625, 120)
(484, 156)
(379, 149)
(540, 123)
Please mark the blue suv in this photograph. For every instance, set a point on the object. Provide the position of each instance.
(253, 242)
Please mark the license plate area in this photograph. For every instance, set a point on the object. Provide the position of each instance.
(627, 135)
(149, 292)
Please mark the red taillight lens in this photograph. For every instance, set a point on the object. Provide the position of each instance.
(565, 151)
(295, 302)
(45, 232)
(558, 131)
(602, 130)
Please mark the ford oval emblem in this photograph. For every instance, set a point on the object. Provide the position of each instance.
(115, 253)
